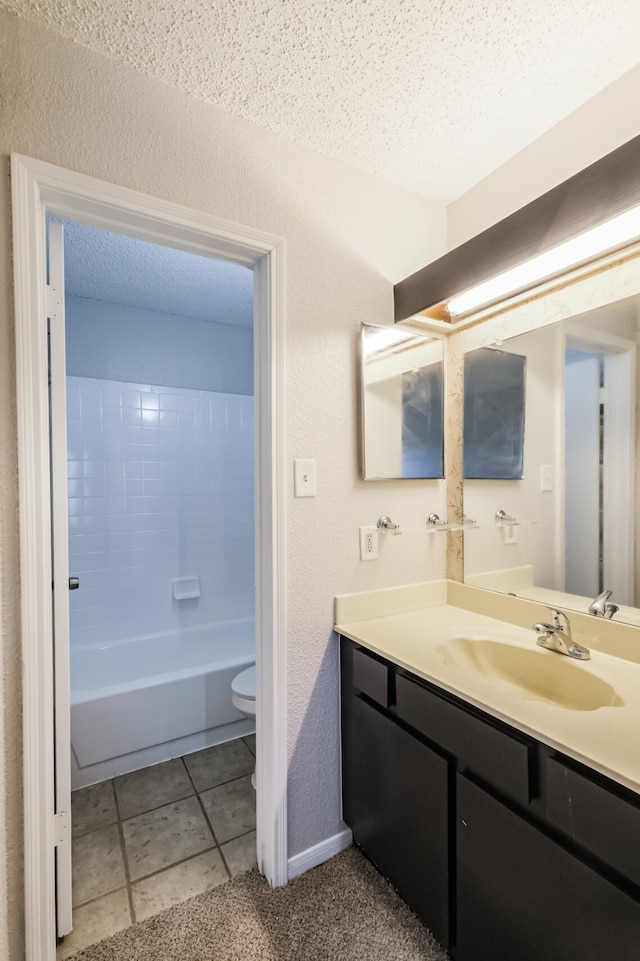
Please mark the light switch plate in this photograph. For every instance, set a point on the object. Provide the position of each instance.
(304, 478)
(546, 477)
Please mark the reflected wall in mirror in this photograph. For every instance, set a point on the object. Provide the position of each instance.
(574, 523)
(402, 398)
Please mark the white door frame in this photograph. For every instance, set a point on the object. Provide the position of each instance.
(60, 574)
(619, 482)
(40, 188)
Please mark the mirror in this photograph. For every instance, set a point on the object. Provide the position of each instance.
(402, 401)
(569, 527)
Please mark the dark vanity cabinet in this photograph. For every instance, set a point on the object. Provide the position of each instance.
(396, 798)
(503, 847)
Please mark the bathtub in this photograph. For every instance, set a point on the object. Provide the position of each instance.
(144, 700)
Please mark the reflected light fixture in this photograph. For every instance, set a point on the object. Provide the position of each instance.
(386, 338)
(580, 250)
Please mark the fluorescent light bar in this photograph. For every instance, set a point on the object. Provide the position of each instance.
(592, 243)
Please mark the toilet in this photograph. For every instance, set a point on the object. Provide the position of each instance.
(243, 697)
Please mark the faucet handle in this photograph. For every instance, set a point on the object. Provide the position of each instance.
(386, 524)
(560, 619)
(600, 604)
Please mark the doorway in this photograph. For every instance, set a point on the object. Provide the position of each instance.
(40, 189)
(599, 459)
(159, 485)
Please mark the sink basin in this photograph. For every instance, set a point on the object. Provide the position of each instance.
(538, 674)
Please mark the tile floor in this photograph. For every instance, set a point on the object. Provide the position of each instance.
(146, 840)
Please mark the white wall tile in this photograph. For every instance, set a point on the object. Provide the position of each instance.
(150, 500)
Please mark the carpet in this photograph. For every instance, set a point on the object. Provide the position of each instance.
(340, 911)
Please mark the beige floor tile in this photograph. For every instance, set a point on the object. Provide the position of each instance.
(218, 764)
(250, 741)
(97, 862)
(231, 808)
(178, 883)
(93, 807)
(152, 787)
(159, 838)
(240, 854)
(96, 921)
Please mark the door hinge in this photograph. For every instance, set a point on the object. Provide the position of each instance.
(54, 302)
(61, 828)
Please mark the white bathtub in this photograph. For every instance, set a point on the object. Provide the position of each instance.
(145, 700)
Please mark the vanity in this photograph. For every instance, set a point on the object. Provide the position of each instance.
(493, 783)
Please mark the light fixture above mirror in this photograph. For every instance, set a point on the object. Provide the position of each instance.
(597, 211)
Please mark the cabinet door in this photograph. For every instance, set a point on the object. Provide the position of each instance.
(395, 801)
(521, 895)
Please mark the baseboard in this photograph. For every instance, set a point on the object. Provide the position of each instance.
(315, 855)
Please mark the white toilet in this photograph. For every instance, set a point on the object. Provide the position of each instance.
(243, 697)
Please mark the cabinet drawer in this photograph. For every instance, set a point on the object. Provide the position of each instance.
(497, 757)
(371, 677)
(605, 824)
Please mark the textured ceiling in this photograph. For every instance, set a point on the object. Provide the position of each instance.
(429, 94)
(123, 270)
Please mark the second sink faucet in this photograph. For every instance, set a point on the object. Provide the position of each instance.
(557, 636)
(601, 606)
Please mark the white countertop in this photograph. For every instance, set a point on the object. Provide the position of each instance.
(605, 739)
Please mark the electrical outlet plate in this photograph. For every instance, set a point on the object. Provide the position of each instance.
(368, 543)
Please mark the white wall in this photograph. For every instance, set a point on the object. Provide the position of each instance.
(134, 344)
(349, 236)
(598, 127)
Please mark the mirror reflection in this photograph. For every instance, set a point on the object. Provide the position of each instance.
(402, 378)
(569, 527)
(494, 406)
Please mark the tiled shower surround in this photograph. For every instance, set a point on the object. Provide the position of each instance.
(160, 487)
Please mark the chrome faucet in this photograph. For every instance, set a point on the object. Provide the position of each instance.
(601, 606)
(557, 636)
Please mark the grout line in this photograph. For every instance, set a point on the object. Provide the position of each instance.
(130, 817)
(186, 767)
(206, 817)
(116, 799)
(167, 867)
(230, 841)
(238, 777)
(127, 873)
(103, 894)
(224, 861)
(125, 858)
(103, 824)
